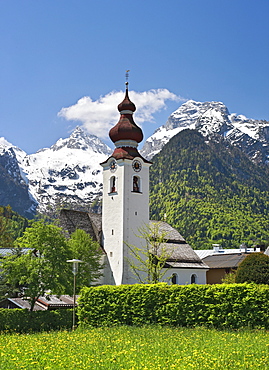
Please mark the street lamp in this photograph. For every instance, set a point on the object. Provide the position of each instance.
(75, 271)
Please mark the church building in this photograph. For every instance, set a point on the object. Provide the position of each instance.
(125, 212)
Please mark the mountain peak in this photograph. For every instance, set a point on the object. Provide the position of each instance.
(211, 119)
(79, 139)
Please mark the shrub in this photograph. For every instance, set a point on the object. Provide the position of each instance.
(23, 321)
(220, 306)
(254, 268)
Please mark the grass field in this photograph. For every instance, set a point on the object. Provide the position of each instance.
(147, 348)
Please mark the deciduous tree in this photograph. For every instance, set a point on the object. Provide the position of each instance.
(84, 248)
(148, 261)
(254, 268)
(43, 268)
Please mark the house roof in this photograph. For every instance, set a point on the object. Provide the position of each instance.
(19, 303)
(202, 253)
(220, 261)
(53, 302)
(50, 302)
(6, 251)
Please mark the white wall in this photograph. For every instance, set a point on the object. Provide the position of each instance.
(184, 275)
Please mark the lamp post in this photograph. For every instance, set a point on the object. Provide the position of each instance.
(75, 271)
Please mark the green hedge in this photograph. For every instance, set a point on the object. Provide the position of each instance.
(24, 321)
(219, 306)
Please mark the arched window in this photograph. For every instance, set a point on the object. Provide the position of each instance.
(136, 184)
(113, 184)
(174, 279)
(193, 279)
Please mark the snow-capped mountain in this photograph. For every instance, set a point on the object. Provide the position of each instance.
(213, 120)
(67, 173)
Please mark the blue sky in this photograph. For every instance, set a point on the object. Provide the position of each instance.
(65, 55)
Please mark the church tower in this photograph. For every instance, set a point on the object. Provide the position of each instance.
(125, 207)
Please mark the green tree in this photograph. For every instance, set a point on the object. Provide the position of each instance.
(43, 268)
(6, 240)
(148, 261)
(254, 268)
(84, 248)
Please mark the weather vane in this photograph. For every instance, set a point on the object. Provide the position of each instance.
(127, 76)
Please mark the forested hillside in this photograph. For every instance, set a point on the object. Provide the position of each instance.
(12, 225)
(211, 192)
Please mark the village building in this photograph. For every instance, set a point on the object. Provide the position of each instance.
(125, 211)
(47, 303)
(223, 261)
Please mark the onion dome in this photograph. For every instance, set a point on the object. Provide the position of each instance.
(126, 129)
(126, 104)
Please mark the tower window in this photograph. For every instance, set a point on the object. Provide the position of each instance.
(113, 184)
(136, 184)
(112, 232)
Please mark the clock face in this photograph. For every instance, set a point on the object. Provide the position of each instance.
(137, 166)
(113, 166)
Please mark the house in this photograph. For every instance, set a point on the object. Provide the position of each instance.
(125, 211)
(47, 303)
(222, 261)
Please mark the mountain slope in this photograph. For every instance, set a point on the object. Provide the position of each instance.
(213, 121)
(13, 187)
(210, 191)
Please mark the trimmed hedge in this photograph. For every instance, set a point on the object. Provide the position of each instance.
(220, 306)
(24, 321)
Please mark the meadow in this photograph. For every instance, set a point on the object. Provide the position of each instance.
(136, 348)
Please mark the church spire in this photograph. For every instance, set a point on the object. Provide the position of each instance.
(126, 135)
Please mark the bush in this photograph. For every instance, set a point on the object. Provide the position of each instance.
(24, 321)
(219, 306)
(254, 268)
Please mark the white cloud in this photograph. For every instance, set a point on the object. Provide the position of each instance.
(97, 117)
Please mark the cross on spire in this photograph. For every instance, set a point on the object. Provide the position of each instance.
(127, 77)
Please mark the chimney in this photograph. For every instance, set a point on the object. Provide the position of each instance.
(216, 248)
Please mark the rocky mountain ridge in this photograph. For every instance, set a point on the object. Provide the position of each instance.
(213, 121)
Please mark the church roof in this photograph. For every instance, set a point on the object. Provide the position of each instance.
(180, 253)
(90, 222)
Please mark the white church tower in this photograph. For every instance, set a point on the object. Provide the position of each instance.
(125, 207)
